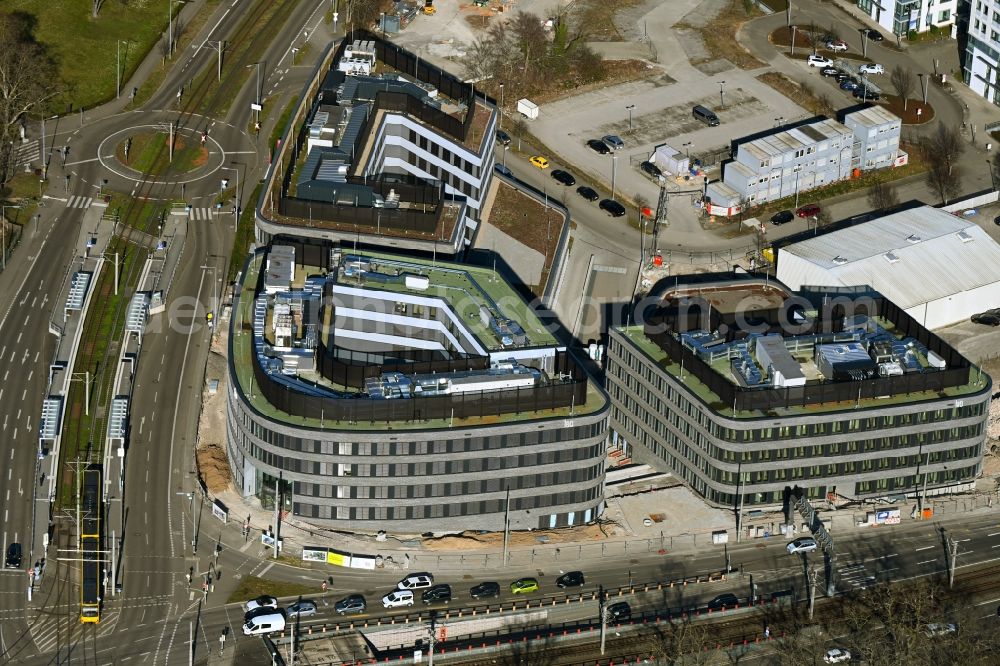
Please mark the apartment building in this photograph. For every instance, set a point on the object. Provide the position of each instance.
(899, 17)
(981, 48)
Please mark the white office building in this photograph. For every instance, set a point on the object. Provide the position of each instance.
(981, 58)
(902, 16)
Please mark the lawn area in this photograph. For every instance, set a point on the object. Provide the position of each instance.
(85, 49)
(252, 587)
(149, 154)
(244, 236)
(530, 222)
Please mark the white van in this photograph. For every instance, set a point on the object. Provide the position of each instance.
(265, 623)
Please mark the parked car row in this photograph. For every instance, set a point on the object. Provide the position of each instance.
(988, 318)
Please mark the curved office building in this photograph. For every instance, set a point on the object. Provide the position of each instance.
(386, 393)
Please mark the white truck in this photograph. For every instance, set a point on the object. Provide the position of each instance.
(527, 108)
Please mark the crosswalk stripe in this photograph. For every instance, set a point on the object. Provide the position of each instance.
(201, 214)
(77, 201)
(27, 152)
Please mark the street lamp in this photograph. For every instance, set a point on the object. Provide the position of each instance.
(722, 94)
(629, 109)
(864, 41)
(614, 165)
(779, 121)
(3, 225)
(505, 149)
(923, 86)
(257, 90)
(687, 149)
(500, 124)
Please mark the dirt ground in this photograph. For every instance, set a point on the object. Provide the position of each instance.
(473, 540)
(213, 465)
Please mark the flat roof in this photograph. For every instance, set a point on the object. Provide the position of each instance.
(873, 116)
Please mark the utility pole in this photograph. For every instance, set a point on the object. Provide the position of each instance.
(506, 527)
(953, 556)
(791, 47)
(277, 513)
(813, 577)
(430, 657)
(604, 617)
(191, 643)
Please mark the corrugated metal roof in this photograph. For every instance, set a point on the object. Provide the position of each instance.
(913, 257)
(873, 116)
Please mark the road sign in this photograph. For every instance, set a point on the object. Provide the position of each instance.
(256, 107)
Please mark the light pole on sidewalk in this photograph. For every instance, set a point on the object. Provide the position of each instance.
(629, 109)
(614, 168)
(722, 94)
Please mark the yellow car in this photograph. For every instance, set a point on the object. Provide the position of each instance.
(524, 586)
(540, 162)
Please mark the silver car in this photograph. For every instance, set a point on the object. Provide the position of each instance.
(303, 608)
(614, 141)
(802, 545)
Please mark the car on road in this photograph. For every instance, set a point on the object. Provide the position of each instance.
(415, 581)
(354, 603)
(303, 608)
(503, 170)
(651, 169)
(802, 545)
(564, 177)
(727, 600)
(503, 138)
(13, 559)
(524, 586)
(612, 207)
(838, 45)
(619, 610)
(397, 599)
(864, 93)
(848, 85)
(588, 193)
(263, 601)
(874, 36)
(781, 217)
(487, 590)
(871, 68)
(809, 210)
(837, 656)
(614, 141)
(819, 61)
(264, 623)
(937, 629)
(996, 220)
(570, 579)
(988, 318)
(829, 71)
(598, 146)
(540, 161)
(437, 594)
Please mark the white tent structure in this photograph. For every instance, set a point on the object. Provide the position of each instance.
(938, 267)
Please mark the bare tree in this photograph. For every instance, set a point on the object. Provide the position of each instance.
(520, 129)
(903, 81)
(944, 146)
(28, 79)
(681, 642)
(824, 107)
(882, 195)
(814, 35)
(95, 7)
(945, 181)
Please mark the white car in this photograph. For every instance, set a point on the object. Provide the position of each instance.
(264, 601)
(837, 656)
(871, 68)
(935, 629)
(416, 581)
(819, 61)
(838, 45)
(802, 545)
(397, 599)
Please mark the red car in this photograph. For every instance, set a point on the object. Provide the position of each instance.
(809, 210)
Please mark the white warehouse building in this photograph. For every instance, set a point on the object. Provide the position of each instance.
(941, 269)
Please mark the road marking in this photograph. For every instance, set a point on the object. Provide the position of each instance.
(15, 434)
(926, 561)
(18, 412)
(5, 350)
(924, 548)
(5, 374)
(30, 374)
(19, 337)
(33, 301)
(24, 393)
(26, 317)
(990, 534)
(35, 360)
(996, 546)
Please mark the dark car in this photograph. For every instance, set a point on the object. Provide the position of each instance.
(874, 36)
(612, 207)
(487, 590)
(564, 177)
(588, 193)
(501, 169)
(503, 137)
(990, 318)
(727, 600)
(809, 210)
(354, 603)
(13, 560)
(619, 611)
(848, 84)
(782, 217)
(996, 220)
(844, 76)
(598, 146)
(651, 169)
(570, 579)
(829, 71)
(437, 594)
(863, 93)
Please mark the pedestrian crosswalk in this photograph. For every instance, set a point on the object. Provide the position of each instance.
(201, 214)
(78, 201)
(27, 152)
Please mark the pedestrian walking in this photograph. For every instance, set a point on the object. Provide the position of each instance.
(767, 633)
(323, 586)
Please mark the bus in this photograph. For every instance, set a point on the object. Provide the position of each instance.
(90, 548)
